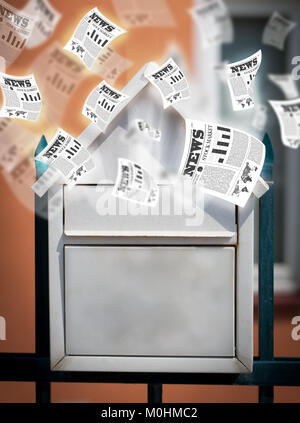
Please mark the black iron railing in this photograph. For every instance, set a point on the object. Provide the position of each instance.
(268, 371)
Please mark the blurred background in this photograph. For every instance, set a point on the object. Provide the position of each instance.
(171, 32)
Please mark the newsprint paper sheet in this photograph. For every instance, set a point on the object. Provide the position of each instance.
(227, 162)
(93, 33)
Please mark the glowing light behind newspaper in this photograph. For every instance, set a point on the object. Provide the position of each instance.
(92, 34)
(15, 30)
(46, 21)
(288, 114)
(240, 77)
(135, 13)
(110, 65)
(214, 22)
(276, 30)
(22, 97)
(171, 83)
(226, 161)
(286, 84)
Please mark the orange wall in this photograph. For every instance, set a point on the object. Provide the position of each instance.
(16, 222)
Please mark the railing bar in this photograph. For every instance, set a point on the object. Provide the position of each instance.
(154, 393)
(266, 275)
(42, 336)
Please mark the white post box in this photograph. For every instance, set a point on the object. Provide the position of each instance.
(147, 290)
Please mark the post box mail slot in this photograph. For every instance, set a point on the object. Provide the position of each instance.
(91, 210)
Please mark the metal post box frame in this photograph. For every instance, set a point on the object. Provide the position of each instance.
(242, 242)
(240, 363)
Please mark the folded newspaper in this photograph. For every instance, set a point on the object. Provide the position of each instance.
(22, 97)
(227, 162)
(101, 104)
(276, 30)
(288, 114)
(93, 33)
(171, 83)
(135, 184)
(67, 156)
(240, 77)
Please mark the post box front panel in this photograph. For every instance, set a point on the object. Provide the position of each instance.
(91, 210)
(150, 301)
